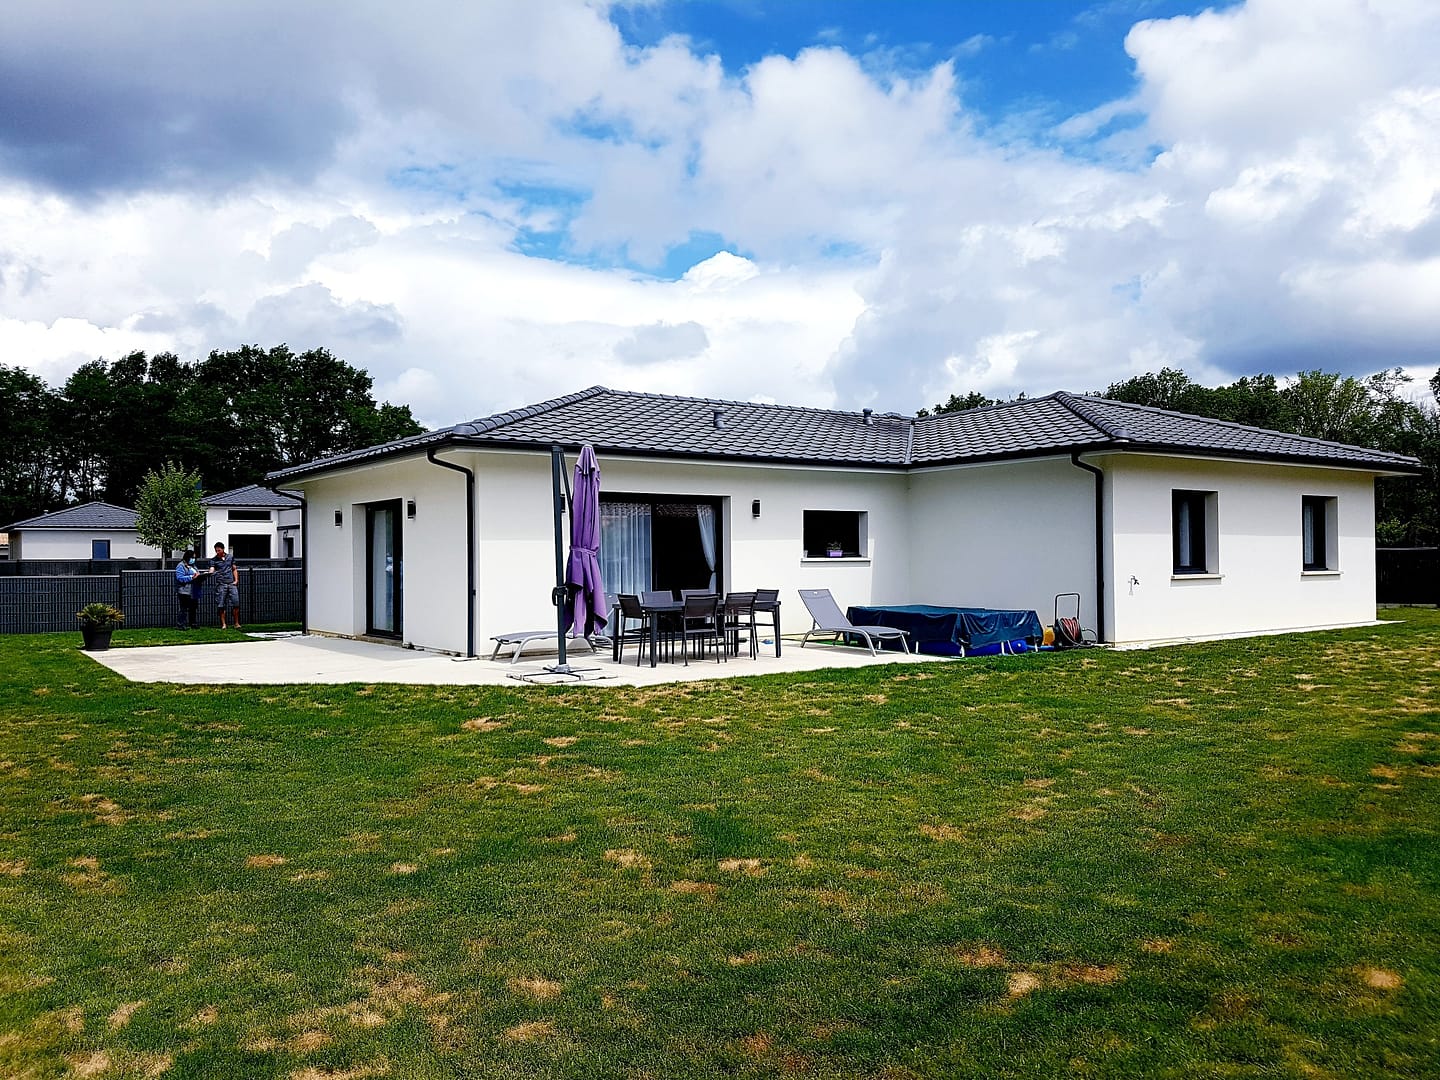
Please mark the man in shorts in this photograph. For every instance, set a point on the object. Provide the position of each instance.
(226, 576)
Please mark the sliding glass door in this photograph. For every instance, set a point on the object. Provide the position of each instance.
(660, 542)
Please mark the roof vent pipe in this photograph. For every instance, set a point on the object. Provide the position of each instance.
(719, 418)
(869, 415)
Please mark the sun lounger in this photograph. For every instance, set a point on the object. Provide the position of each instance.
(521, 638)
(829, 619)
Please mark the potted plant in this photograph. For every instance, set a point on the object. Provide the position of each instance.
(834, 549)
(97, 623)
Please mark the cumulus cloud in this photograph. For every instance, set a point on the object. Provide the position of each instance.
(473, 202)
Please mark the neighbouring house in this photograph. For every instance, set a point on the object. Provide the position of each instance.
(1169, 526)
(93, 530)
(254, 522)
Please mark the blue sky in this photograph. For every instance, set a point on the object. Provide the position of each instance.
(837, 204)
(1020, 56)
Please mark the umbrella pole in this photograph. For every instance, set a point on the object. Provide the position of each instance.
(561, 594)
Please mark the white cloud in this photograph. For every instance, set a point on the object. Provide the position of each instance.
(372, 178)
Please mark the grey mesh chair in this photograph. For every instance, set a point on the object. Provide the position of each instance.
(829, 619)
(767, 602)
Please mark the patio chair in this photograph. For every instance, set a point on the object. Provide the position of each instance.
(738, 612)
(630, 612)
(702, 621)
(829, 619)
(767, 602)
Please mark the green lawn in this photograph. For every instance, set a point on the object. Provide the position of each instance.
(1209, 861)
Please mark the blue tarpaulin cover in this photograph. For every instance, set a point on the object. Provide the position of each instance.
(947, 631)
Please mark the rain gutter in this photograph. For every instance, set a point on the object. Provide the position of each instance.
(469, 545)
(1099, 541)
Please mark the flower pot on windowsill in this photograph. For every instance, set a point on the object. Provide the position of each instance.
(835, 551)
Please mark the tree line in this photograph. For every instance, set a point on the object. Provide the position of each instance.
(1374, 412)
(231, 418)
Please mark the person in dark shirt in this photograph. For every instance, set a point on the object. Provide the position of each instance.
(226, 576)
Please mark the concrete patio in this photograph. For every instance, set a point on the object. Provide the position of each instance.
(318, 659)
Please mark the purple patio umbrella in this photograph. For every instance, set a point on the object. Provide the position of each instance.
(585, 609)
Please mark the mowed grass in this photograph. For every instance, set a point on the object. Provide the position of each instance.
(1210, 861)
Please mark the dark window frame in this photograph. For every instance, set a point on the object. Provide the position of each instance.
(100, 549)
(1316, 508)
(248, 515)
(818, 528)
(1190, 509)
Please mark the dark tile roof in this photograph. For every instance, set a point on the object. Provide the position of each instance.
(252, 495)
(91, 515)
(658, 425)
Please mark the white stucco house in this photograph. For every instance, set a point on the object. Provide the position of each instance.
(93, 530)
(1169, 526)
(254, 522)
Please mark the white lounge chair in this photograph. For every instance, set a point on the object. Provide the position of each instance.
(829, 619)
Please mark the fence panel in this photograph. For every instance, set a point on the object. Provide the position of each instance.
(1407, 575)
(38, 605)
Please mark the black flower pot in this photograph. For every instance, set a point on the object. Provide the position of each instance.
(96, 640)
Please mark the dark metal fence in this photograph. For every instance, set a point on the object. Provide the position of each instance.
(1407, 575)
(37, 605)
(91, 567)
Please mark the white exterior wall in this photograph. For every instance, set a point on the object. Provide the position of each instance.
(75, 544)
(517, 547)
(1260, 585)
(432, 550)
(1006, 535)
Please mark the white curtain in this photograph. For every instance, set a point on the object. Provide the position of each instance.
(625, 552)
(1307, 529)
(706, 516)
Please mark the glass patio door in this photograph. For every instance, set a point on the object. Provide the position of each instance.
(384, 576)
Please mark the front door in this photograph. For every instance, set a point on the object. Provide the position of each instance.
(384, 591)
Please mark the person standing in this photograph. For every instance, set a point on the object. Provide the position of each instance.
(227, 585)
(186, 585)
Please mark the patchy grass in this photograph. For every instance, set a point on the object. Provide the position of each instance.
(1210, 861)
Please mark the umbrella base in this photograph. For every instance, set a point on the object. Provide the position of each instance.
(561, 673)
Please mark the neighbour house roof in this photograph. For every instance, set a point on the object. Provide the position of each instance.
(252, 495)
(659, 425)
(90, 516)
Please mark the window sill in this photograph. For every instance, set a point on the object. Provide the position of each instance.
(1197, 577)
(851, 560)
(1319, 573)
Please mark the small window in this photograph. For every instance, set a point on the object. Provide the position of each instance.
(1319, 550)
(249, 515)
(836, 534)
(99, 549)
(1192, 524)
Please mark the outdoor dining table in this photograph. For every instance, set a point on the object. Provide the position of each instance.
(653, 610)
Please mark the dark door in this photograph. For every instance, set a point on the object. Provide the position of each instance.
(384, 592)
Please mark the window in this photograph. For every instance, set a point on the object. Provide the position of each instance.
(1193, 529)
(248, 515)
(249, 547)
(1319, 549)
(99, 549)
(835, 534)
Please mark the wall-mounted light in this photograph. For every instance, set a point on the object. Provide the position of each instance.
(339, 519)
(410, 509)
(755, 508)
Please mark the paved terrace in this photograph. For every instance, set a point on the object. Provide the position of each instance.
(318, 659)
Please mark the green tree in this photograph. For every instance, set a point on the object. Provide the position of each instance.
(28, 480)
(973, 400)
(168, 504)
